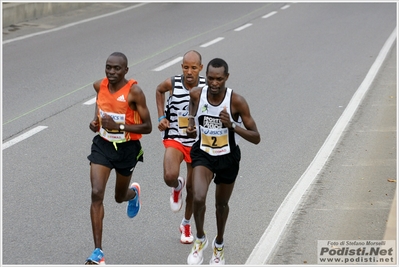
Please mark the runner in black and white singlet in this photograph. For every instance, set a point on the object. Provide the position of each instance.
(176, 111)
(218, 118)
(215, 138)
(173, 122)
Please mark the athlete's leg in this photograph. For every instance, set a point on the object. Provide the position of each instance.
(201, 178)
(189, 188)
(122, 192)
(222, 196)
(171, 166)
(98, 176)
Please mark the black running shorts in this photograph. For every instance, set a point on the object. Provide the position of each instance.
(123, 158)
(224, 167)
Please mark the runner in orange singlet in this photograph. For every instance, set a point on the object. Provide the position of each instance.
(121, 118)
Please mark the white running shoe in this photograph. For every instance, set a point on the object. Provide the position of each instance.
(196, 256)
(186, 234)
(176, 201)
(218, 255)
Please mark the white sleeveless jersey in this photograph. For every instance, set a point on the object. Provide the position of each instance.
(176, 111)
(214, 138)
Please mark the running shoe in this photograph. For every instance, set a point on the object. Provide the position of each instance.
(186, 234)
(96, 258)
(176, 201)
(196, 255)
(133, 205)
(218, 255)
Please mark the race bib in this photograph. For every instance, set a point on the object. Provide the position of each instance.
(182, 121)
(113, 135)
(215, 142)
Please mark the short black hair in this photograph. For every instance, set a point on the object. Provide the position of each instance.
(217, 63)
(120, 54)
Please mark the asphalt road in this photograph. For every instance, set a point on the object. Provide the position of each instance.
(353, 194)
(298, 66)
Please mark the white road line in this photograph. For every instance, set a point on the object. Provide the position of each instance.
(269, 15)
(285, 7)
(243, 27)
(90, 102)
(73, 24)
(280, 220)
(23, 137)
(213, 42)
(164, 66)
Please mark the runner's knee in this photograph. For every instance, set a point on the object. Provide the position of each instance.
(119, 199)
(199, 199)
(97, 194)
(171, 179)
(222, 207)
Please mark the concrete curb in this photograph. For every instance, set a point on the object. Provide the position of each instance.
(14, 13)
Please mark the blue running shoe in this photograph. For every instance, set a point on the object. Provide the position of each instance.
(133, 206)
(96, 258)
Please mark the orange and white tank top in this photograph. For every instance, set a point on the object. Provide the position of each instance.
(116, 106)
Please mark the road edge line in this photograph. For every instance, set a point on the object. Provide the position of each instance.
(267, 243)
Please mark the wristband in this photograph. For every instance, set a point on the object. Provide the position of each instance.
(161, 118)
(190, 117)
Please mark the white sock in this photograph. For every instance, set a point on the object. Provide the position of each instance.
(179, 186)
(219, 245)
(202, 239)
(185, 221)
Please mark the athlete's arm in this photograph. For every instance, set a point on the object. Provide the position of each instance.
(94, 124)
(162, 88)
(137, 101)
(192, 111)
(240, 108)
